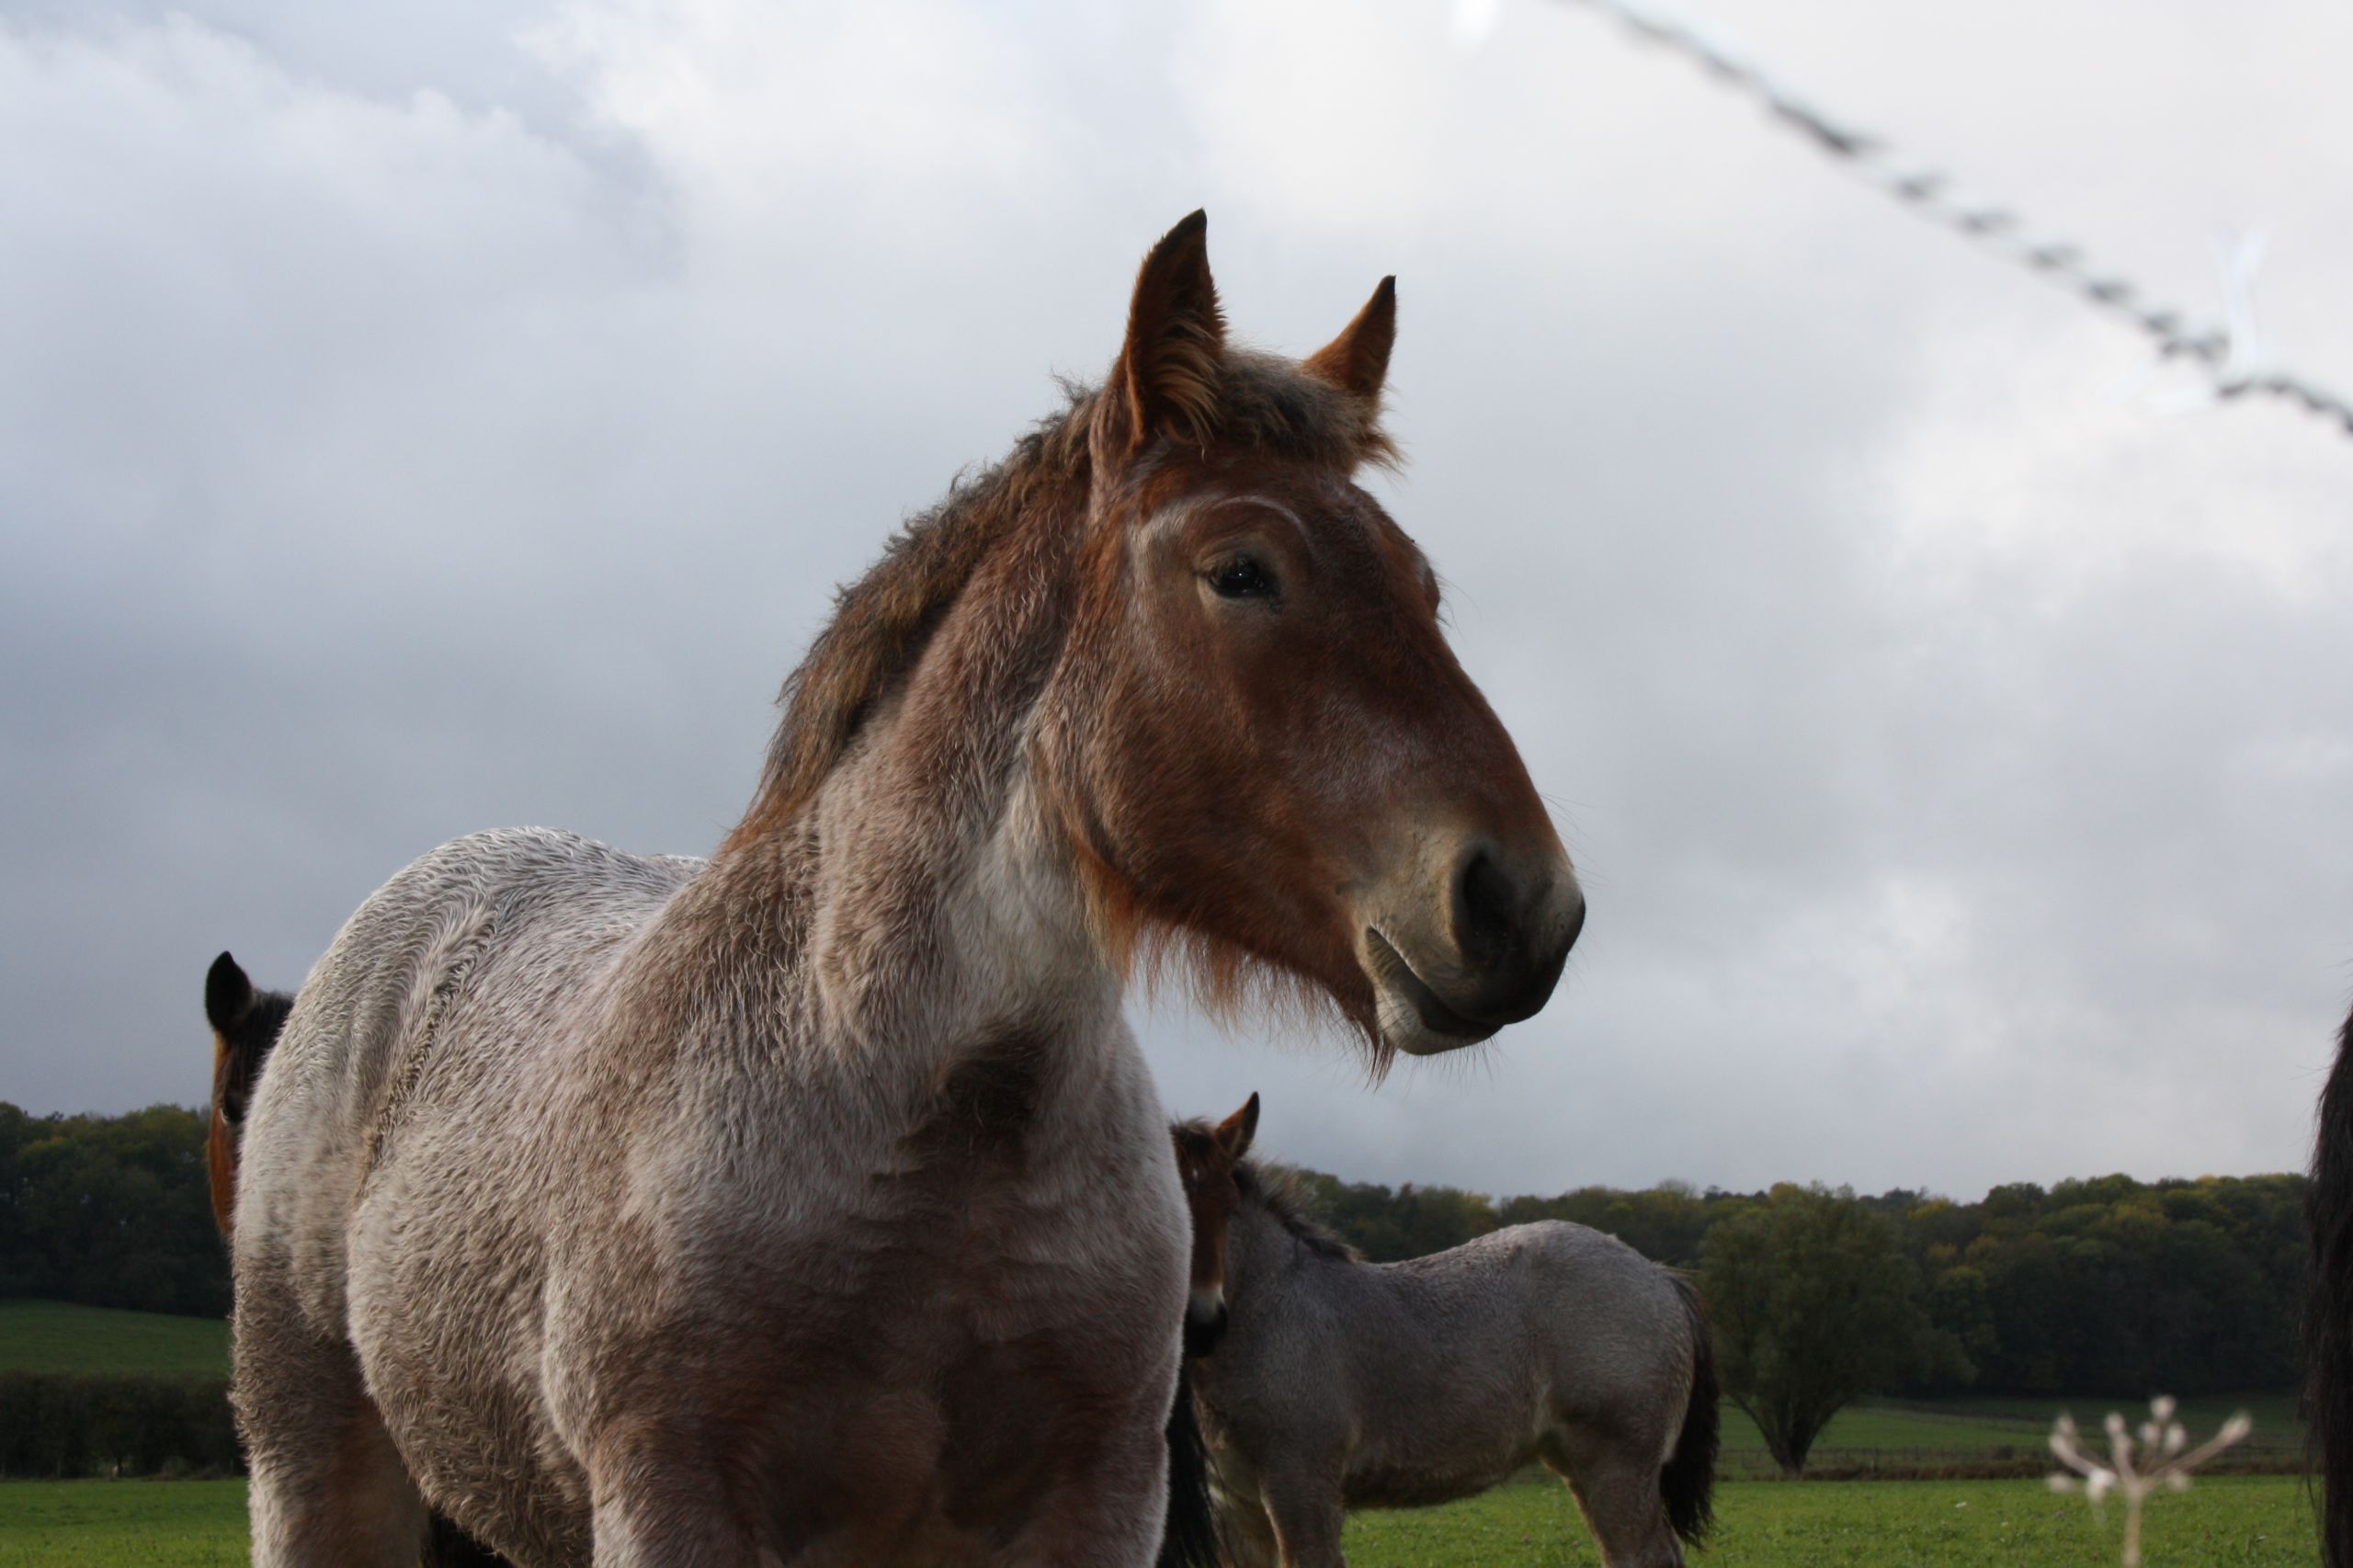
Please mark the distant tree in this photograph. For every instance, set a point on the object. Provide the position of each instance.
(109, 1210)
(1385, 1225)
(1814, 1304)
(1962, 1309)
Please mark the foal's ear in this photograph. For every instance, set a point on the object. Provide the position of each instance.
(1166, 379)
(227, 994)
(1357, 360)
(1233, 1134)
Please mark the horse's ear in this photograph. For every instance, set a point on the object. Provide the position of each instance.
(1166, 379)
(1233, 1134)
(227, 994)
(1357, 360)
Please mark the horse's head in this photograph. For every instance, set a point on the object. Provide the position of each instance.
(1207, 1158)
(245, 1022)
(1270, 752)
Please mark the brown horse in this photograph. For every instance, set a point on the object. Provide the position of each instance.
(245, 1022)
(814, 1203)
(1327, 1383)
(2328, 1307)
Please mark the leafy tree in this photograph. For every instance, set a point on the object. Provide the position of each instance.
(1814, 1304)
(109, 1212)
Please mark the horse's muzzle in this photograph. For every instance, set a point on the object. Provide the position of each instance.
(1203, 1330)
(1493, 960)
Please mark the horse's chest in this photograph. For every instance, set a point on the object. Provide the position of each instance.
(935, 1334)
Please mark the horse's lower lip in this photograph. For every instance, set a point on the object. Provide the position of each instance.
(1391, 969)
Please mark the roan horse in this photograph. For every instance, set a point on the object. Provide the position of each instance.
(1327, 1383)
(2328, 1307)
(814, 1203)
(245, 1022)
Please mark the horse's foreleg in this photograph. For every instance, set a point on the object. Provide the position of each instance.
(1245, 1536)
(1308, 1516)
(327, 1489)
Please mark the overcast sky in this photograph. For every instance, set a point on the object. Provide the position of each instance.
(456, 415)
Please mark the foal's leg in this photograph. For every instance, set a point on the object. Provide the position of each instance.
(327, 1488)
(1245, 1536)
(1618, 1492)
(1308, 1515)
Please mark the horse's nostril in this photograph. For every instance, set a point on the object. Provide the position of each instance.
(1485, 907)
(1576, 920)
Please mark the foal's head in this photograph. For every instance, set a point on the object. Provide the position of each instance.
(1260, 741)
(1207, 1160)
(245, 1022)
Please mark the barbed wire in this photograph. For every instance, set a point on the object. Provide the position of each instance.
(2230, 354)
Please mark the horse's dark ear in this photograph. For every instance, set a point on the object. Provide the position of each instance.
(1357, 360)
(1233, 1134)
(227, 994)
(1166, 379)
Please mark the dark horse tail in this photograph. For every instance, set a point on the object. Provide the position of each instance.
(1688, 1479)
(2328, 1309)
(1189, 1538)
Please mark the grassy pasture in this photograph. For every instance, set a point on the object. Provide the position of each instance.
(1998, 1427)
(101, 1524)
(2226, 1521)
(2231, 1522)
(53, 1336)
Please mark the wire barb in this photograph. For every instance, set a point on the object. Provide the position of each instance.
(2230, 356)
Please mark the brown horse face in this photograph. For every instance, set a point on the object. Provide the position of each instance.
(1205, 1162)
(1284, 759)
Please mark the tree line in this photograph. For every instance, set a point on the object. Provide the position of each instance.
(2107, 1285)
(110, 1212)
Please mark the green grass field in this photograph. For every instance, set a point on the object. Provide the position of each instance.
(101, 1524)
(51, 1336)
(1920, 1433)
(2232, 1522)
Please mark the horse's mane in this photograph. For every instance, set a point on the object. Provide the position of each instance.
(882, 621)
(1279, 1192)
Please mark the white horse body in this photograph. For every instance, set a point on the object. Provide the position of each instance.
(470, 1169)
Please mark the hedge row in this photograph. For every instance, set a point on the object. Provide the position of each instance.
(61, 1424)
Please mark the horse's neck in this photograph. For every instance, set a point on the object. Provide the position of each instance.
(927, 899)
(946, 914)
(1273, 1270)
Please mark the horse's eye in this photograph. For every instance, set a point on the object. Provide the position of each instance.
(1241, 577)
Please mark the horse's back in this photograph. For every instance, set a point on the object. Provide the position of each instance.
(364, 1026)
(1576, 1307)
(1546, 1267)
(1606, 1299)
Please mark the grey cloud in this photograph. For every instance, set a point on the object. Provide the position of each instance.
(410, 429)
